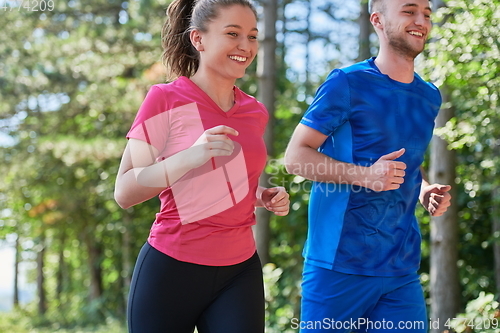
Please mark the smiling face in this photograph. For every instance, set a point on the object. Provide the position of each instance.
(230, 43)
(405, 25)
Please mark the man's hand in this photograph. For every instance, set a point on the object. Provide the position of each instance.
(435, 198)
(386, 174)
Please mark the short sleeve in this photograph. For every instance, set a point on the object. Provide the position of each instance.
(437, 98)
(152, 123)
(265, 118)
(331, 105)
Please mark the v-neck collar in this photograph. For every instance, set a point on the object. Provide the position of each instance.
(216, 107)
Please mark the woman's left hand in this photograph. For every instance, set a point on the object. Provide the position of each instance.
(276, 200)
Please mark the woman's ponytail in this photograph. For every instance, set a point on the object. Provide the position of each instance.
(179, 55)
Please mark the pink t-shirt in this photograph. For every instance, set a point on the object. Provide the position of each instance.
(206, 216)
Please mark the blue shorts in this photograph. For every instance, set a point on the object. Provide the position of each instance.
(338, 302)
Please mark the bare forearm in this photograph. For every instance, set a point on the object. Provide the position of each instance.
(128, 192)
(140, 184)
(163, 174)
(258, 195)
(316, 166)
(141, 178)
(425, 179)
(302, 158)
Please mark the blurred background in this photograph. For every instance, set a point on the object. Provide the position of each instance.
(72, 77)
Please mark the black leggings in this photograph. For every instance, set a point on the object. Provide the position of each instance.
(171, 296)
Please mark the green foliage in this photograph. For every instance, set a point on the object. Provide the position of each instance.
(71, 81)
(74, 78)
(288, 233)
(277, 316)
(464, 62)
(481, 315)
(22, 322)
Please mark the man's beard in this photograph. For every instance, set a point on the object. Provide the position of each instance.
(402, 46)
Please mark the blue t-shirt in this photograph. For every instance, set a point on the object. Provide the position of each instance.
(366, 115)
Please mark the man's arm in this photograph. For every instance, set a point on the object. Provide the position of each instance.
(302, 158)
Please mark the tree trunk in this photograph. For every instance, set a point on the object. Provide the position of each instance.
(60, 268)
(266, 72)
(40, 280)
(496, 235)
(17, 259)
(444, 278)
(495, 200)
(365, 30)
(438, 4)
(94, 262)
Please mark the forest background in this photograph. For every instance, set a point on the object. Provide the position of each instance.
(72, 76)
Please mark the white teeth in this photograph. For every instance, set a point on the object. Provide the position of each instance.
(415, 33)
(238, 58)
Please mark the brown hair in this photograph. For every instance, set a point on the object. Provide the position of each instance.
(179, 55)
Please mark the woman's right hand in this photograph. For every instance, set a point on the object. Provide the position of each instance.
(212, 143)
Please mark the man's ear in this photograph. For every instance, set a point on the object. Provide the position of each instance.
(376, 20)
(196, 40)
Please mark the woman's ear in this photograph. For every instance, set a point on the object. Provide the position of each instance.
(195, 38)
